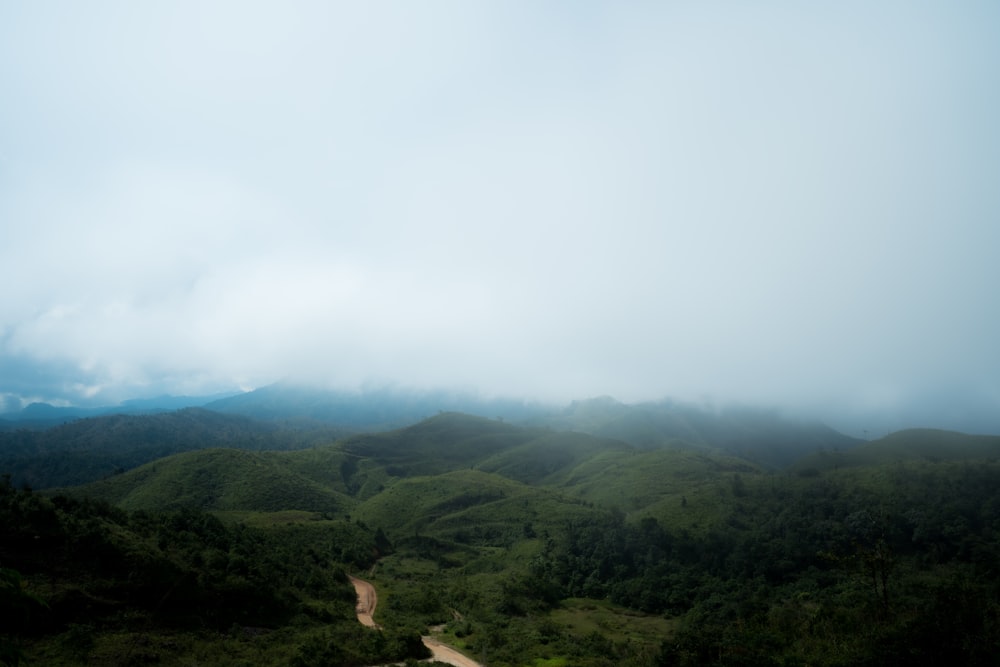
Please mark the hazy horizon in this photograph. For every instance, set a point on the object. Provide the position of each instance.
(868, 425)
(771, 205)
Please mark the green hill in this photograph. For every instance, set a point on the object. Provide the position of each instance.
(373, 469)
(217, 479)
(82, 582)
(548, 457)
(448, 441)
(89, 449)
(759, 435)
(516, 538)
(682, 488)
(469, 507)
(907, 445)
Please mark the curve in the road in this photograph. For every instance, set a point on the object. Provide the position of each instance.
(368, 599)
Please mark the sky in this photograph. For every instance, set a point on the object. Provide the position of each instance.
(780, 203)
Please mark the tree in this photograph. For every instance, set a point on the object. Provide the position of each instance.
(16, 606)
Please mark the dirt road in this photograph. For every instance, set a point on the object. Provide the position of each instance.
(367, 599)
(446, 654)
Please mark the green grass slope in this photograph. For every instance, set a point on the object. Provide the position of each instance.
(412, 505)
(101, 446)
(471, 508)
(908, 445)
(550, 457)
(682, 488)
(763, 436)
(217, 479)
(446, 442)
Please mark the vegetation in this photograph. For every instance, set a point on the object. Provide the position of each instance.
(218, 479)
(760, 436)
(115, 587)
(90, 449)
(519, 546)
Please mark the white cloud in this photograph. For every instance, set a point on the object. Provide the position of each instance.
(561, 200)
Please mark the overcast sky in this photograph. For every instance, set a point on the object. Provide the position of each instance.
(771, 202)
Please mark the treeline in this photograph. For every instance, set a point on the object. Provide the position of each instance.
(73, 571)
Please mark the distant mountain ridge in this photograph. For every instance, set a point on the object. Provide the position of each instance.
(760, 435)
(42, 415)
(287, 417)
(369, 410)
(907, 445)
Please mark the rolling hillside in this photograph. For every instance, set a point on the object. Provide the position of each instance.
(762, 436)
(513, 538)
(449, 471)
(286, 418)
(217, 479)
(683, 485)
(90, 449)
(907, 445)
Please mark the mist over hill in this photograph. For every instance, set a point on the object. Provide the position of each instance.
(43, 415)
(759, 434)
(44, 451)
(374, 408)
(909, 445)
(369, 409)
(47, 446)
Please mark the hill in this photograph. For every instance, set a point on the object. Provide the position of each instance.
(907, 445)
(368, 410)
(437, 444)
(759, 435)
(546, 458)
(86, 583)
(286, 417)
(45, 415)
(89, 449)
(217, 479)
(514, 538)
(466, 507)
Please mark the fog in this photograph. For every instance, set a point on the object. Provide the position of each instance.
(782, 205)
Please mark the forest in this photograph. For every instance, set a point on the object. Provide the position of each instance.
(518, 544)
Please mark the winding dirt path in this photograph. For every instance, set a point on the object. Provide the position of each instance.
(368, 599)
(446, 654)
